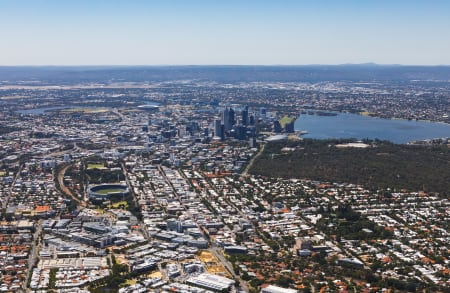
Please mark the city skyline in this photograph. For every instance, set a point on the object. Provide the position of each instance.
(224, 33)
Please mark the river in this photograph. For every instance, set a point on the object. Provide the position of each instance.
(346, 125)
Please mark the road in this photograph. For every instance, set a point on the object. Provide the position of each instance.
(34, 251)
(75, 149)
(5, 201)
(64, 189)
(218, 254)
(130, 186)
(216, 251)
(250, 164)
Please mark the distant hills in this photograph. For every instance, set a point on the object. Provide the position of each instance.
(229, 74)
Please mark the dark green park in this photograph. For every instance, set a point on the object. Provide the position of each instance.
(381, 165)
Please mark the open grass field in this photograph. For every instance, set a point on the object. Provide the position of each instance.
(131, 282)
(86, 110)
(285, 119)
(117, 204)
(109, 190)
(95, 166)
(365, 113)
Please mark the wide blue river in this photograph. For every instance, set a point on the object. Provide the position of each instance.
(346, 125)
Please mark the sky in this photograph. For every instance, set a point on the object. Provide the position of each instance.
(225, 32)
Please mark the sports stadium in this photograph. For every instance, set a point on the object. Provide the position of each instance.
(107, 191)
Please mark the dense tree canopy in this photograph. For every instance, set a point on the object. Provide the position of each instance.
(382, 165)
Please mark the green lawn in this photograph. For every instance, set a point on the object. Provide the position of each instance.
(109, 190)
(95, 166)
(117, 204)
(86, 110)
(284, 120)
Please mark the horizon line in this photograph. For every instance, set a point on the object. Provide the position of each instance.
(226, 65)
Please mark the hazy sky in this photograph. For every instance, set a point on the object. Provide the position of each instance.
(170, 32)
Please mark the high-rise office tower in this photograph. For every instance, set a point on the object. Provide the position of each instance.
(244, 113)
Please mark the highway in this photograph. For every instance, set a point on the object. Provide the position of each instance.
(64, 189)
